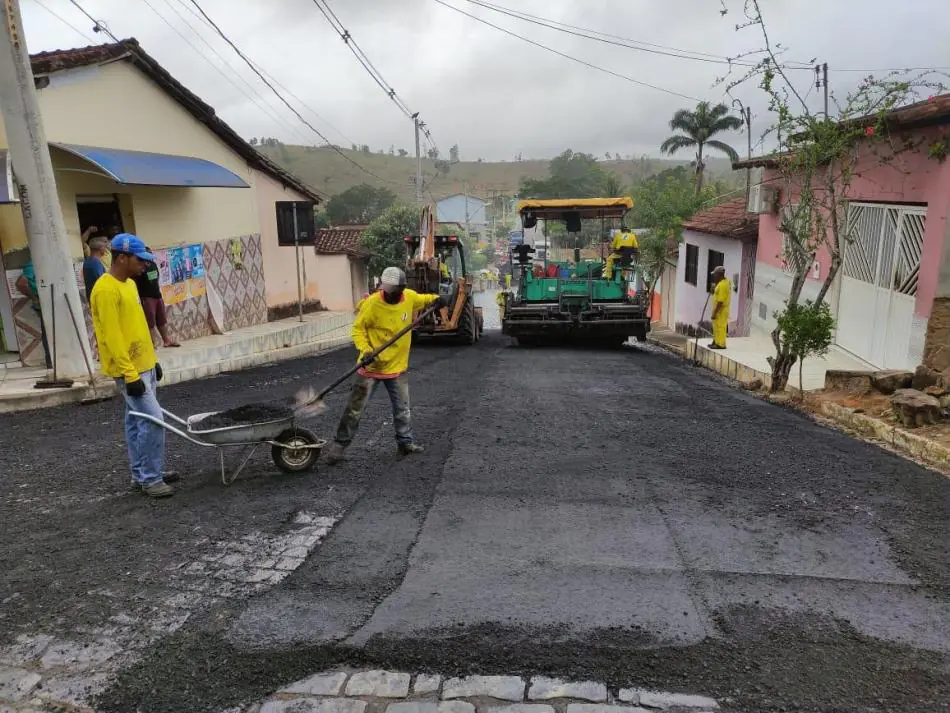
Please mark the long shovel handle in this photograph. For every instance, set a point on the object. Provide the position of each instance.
(401, 333)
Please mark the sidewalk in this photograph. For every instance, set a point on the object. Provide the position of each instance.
(195, 359)
(746, 358)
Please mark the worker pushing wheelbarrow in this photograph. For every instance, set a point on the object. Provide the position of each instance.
(386, 319)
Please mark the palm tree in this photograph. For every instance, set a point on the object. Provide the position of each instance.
(698, 127)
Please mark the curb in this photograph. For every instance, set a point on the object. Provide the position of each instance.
(105, 388)
(916, 446)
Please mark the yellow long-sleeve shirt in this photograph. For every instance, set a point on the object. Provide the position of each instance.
(378, 322)
(624, 240)
(722, 294)
(125, 343)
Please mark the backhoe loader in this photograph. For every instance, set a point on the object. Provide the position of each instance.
(436, 265)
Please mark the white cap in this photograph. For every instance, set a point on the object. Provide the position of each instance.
(393, 277)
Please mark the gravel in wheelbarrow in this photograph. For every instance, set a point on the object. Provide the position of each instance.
(243, 416)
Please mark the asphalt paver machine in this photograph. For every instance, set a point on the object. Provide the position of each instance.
(558, 301)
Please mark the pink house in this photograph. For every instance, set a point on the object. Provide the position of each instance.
(889, 287)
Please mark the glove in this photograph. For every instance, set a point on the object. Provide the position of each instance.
(158, 372)
(136, 389)
(441, 302)
(366, 358)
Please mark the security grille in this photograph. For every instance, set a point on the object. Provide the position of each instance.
(884, 244)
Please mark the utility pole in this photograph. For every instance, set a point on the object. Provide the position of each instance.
(418, 124)
(746, 113)
(42, 215)
(821, 80)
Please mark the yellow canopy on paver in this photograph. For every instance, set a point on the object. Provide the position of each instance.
(556, 208)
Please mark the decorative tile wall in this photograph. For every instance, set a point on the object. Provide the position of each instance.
(234, 267)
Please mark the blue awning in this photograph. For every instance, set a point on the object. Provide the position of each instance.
(140, 168)
(8, 191)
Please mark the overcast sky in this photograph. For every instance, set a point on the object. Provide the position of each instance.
(492, 94)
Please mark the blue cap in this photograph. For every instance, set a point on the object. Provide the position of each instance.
(132, 245)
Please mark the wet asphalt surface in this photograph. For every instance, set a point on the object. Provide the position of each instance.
(618, 516)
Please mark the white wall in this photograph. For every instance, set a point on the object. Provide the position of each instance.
(690, 299)
(771, 289)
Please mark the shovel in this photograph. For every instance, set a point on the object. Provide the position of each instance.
(308, 402)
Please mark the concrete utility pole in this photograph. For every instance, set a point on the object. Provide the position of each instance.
(418, 125)
(42, 215)
(746, 113)
(821, 80)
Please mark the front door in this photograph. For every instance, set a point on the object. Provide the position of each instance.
(879, 283)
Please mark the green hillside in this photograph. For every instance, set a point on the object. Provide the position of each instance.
(330, 173)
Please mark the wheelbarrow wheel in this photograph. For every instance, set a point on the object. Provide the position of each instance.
(292, 456)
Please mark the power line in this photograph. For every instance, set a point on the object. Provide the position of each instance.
(616, 40)
(66, 22)
(677, 52)
(270, 86)
(97, 26)
(360, 55)
(194, 13)
(253, 98)
(567, 56)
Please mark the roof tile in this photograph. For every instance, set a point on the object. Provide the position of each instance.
(730, 219)
(344, 240)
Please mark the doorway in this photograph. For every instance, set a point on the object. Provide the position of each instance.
(103, 212)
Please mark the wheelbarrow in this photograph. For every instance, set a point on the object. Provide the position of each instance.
(293, 449)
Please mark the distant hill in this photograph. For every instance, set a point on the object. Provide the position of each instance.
(330, 173)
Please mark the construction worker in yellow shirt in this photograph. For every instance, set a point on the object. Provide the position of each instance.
(126, 354)
(381, 316)
(624, 244)
(722, 298)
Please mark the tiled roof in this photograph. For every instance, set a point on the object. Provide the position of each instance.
(344, 240)
(932, 111)
(730, 220)
(57, 60)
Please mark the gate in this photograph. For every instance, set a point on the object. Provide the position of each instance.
(879, 282)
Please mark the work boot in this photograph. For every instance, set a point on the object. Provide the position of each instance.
(410, 448)
(159, 490)
(170, 476)
(334, 454)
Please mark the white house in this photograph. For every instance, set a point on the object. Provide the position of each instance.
(469, 211)
(723, 235)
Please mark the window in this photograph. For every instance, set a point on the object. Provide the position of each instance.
(692, 263)
(715, 259)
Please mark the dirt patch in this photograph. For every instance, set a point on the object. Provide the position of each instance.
(243, 415)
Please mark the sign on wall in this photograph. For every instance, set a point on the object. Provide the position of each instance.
(181, 273)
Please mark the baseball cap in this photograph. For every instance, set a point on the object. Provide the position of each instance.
(720, 268)
(131, 245)
(392, 277)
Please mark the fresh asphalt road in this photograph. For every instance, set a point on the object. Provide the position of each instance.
(617, 515)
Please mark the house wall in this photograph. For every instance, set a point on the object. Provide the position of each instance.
(911, 177)
(453, 209)
(280, 262)
(691, 299)
(334, 282)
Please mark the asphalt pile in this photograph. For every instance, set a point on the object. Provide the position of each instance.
(242, 416)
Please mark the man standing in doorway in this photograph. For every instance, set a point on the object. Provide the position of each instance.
(382, 315)
(722, 298)
(127, 354)
(26, 284)
(153, 303)
(94, 266)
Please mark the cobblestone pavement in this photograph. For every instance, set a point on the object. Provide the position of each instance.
(609, 517)
(394, 692)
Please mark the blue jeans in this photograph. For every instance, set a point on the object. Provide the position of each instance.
(363, 389)
(146, 441)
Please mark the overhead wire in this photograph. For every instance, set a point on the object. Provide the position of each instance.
(567, 56)
(254, 98)
(666, 50)
(97, 26)
(184, 4)
(281, 97)
(66, 22)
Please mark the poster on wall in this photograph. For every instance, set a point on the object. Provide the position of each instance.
(181, 273)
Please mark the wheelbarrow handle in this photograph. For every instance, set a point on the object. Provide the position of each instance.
(399, 335)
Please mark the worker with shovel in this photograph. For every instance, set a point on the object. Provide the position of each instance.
(382, 316)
